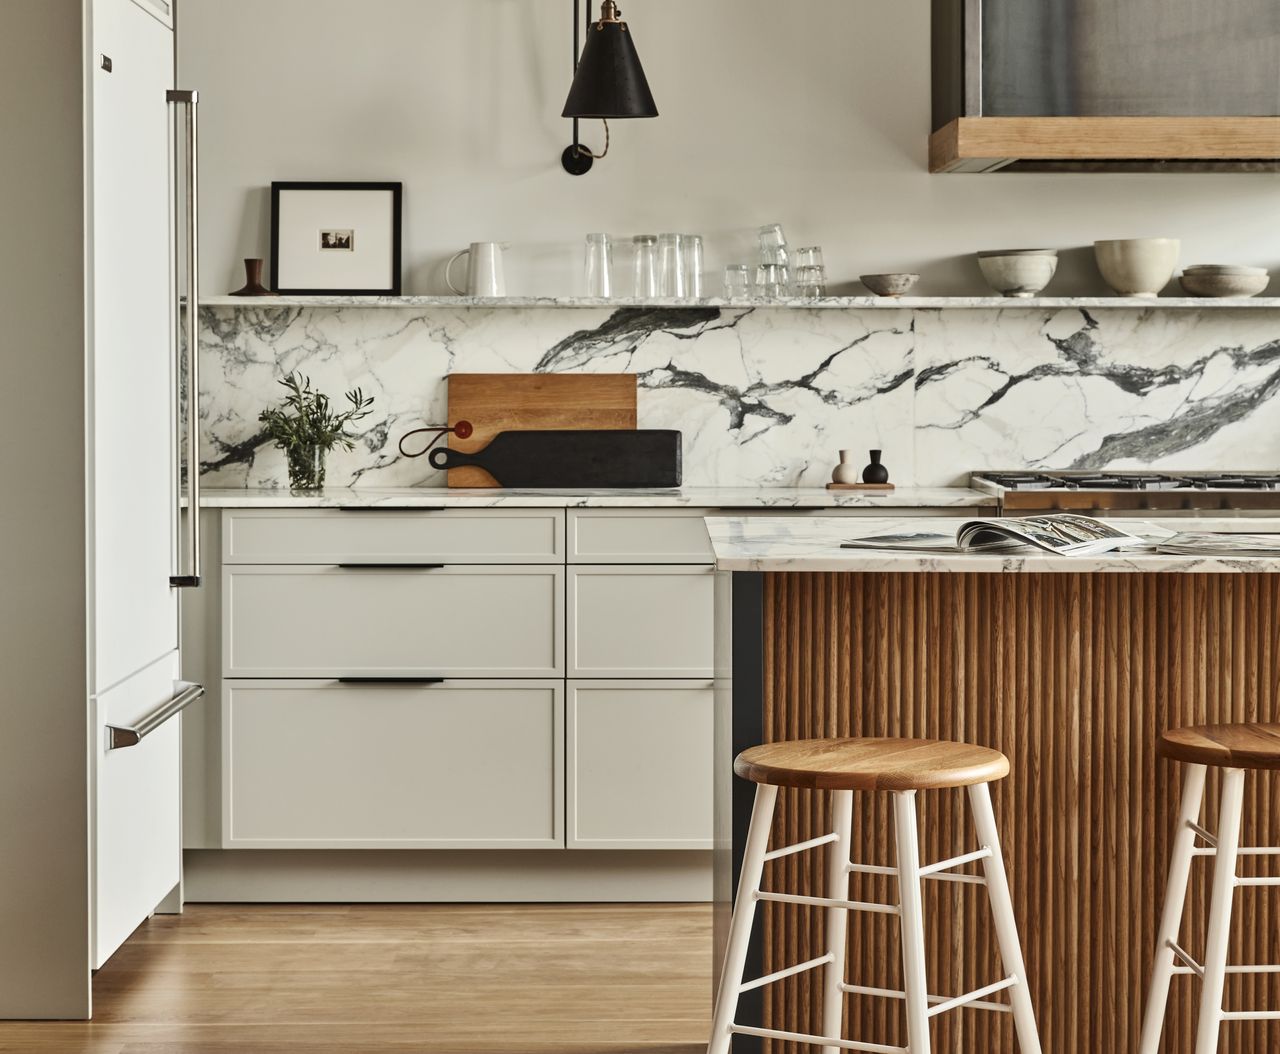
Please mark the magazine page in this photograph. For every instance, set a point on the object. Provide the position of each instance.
(1066, 533)
(1207, 543)
(905, 542)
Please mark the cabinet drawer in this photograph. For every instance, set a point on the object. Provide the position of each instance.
(459, 765)
(639, 765)
(330, 536)
(652, 621)
(455, 621)
(639, 536)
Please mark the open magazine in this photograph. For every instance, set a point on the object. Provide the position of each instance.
(1064, 533)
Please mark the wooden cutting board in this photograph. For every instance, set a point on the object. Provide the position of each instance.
(509, 402)
(574, 458)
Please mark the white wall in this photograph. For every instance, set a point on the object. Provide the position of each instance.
(814, 113)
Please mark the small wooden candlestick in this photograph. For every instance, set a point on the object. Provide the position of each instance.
(253, 280)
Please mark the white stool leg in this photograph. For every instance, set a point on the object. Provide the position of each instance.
(1175, 898)
(1224, 887)
(914, 982)
(837, 918)
(984, 821)
(744, 910)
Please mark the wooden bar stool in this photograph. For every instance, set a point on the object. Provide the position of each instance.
(901, 767)
(1234, 749)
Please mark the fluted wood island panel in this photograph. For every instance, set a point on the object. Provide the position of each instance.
(1073, 676)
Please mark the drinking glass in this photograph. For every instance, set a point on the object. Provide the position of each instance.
(773, 245)
(737, 282)
(599, 266)
(646, 266)
(809, 257)
(811, 281)
(771, 280)
(692, 244)
(670, 266)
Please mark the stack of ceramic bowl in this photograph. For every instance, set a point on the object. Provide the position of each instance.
(1018, 272)
(1224, 280)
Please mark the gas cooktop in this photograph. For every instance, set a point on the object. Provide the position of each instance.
(1137, 491)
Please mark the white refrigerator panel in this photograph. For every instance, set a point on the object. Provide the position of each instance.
(132, 360)
(137, 807)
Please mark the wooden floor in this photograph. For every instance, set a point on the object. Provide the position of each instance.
(269, 979)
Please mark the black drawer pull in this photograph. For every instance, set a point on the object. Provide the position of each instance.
(391, 508)
(390, 567)
(391, 680)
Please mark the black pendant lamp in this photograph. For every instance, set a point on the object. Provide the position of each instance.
(608, 81)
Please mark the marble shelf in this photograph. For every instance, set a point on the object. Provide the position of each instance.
(834, 303)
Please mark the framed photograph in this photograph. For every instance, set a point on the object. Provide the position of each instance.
(339, 239)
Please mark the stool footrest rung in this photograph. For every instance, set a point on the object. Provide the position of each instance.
(955, 861)
(800, 847)
(974, 1003)
(1182, 954)
(1251, 1015)
(828, 902)
(972, 997)
(818, 1041)
(790, 971)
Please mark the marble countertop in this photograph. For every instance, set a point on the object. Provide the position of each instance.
(688, 497)
(746, 543)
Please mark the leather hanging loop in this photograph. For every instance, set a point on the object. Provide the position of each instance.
(462, 430)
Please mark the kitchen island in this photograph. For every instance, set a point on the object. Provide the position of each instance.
(1071, 666)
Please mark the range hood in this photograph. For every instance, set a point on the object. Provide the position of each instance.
(1105, 85)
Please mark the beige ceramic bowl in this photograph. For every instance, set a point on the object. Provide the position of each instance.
(889, 284)
(1137, 266)
(1018, 272)
(1224, 280)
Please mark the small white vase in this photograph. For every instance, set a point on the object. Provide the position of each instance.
(847, 471)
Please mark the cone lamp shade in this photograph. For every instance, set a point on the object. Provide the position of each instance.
(609, 82)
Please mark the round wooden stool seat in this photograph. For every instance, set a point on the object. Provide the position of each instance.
(871, 764)
(1243, 746)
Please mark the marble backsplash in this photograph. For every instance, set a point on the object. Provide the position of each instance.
(766, 397)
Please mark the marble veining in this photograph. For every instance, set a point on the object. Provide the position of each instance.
(745, 543)
(766, 398)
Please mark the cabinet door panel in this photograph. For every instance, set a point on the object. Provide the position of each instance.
(653, 621)
(639, 765)
(464, 764)
(133, 487)
(461, 621)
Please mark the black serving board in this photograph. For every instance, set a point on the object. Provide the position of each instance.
(586, 458)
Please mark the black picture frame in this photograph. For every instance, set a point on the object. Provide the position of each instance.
(289, 186)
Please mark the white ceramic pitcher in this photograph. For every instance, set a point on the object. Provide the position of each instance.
(485, 276)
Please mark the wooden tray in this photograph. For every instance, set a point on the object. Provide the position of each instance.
(521, 402)
(860, 486)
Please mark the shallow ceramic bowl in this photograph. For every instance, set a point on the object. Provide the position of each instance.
(1223, 269)
(889, 284)
(1137, 266)
(1223, 283)
(1018, 272)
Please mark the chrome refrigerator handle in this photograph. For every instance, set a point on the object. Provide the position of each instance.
(131, 735)
(186, 129)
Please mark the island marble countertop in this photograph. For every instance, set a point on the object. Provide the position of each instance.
(746, 543)
(688, 497)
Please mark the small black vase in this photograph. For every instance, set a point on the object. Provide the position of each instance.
(875, 472)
